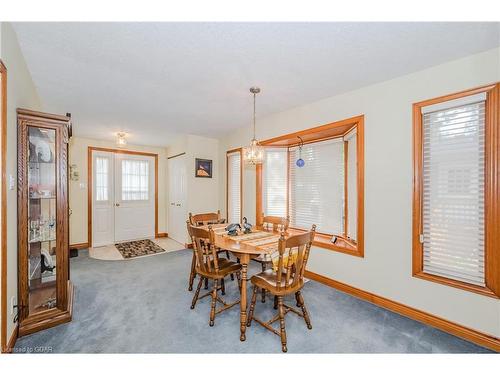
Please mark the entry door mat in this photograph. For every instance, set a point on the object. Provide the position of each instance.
(139, 248)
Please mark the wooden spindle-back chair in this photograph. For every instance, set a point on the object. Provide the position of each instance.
(287, 278)
(210, 266)
(275, 224)
(200, 220)
(206, 218)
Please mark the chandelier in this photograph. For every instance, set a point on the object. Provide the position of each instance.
(253, 154)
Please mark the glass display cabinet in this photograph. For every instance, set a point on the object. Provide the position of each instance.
(45, 292)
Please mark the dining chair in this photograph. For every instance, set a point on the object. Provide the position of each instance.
(199, 220)
(275, 224)
(210, 267)
(286, 278)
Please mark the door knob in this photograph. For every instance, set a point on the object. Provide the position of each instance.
(178, 204)
(117, 204)
(172, 204)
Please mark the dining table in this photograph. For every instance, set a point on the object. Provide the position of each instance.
(245, 246)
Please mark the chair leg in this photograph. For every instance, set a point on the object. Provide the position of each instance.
(206, 283)
(252, 306)
(197, 293)
(275, 303)
(222, 287)
(263, 298)
(238, 277)
(214, 301)
(227, 255)
(300, 301)
(282, 324)
(192, 274)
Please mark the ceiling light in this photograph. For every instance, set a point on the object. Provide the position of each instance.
(120, 139)
(253, 154)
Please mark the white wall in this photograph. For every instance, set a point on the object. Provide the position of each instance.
(386, 268)
(78, 193)
(21, 92)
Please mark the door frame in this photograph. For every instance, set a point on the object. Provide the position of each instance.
(90, 186)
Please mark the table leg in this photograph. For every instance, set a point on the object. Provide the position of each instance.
(244, 259)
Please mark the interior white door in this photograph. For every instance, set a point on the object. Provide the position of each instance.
(177, 213)
(134, 197)
(103, 231)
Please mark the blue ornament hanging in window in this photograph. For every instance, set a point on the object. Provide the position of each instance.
(300, 162)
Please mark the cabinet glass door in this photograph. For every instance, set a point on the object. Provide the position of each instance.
(42, 219)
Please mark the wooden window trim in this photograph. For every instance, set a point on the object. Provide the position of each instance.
(322, 133)
(240, 150)
(492, 192)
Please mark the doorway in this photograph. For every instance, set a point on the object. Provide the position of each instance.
(123, 196)
(177, 212)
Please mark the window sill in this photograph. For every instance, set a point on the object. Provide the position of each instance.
(485, 291)
(343, 245)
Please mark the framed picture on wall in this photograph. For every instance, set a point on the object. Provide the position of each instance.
(203, 168)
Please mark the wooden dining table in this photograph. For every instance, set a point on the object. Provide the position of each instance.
(245, 247)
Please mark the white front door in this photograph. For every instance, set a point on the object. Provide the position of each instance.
(134, 197)
(123, 201)
(177, 214)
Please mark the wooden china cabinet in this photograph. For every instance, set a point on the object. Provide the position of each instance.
(45, 293)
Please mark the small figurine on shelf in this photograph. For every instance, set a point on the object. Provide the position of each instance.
(47, 264)
(232, 229)
(247, 226)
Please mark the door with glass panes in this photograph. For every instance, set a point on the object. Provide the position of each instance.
(123, 204)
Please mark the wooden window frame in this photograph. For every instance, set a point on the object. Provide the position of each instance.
(332, 130)
(240, 150)
(492, 192)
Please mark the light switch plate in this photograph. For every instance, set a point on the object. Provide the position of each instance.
(12, 182)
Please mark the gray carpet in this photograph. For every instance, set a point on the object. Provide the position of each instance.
(142, 306)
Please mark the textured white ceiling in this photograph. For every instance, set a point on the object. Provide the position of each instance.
(157, 80)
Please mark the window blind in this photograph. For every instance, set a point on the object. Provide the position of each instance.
(135, 180)
(453, 190)
(317, 189)
(274, 184)
(234, 187)
(352, 185)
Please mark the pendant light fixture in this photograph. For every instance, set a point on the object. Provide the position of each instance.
(253, 154)
(300, 162)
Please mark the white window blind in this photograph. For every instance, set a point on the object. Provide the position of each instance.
(453, 190)
(234, 187)
(135, 180)
(102, 178)
(274, 184)
(317, 189)
(352, 185)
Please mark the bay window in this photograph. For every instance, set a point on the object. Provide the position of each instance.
(326, 191)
